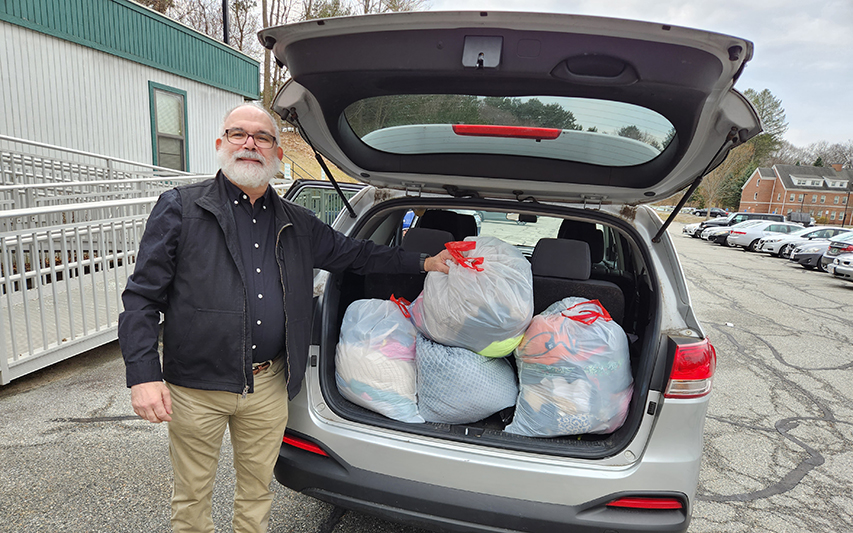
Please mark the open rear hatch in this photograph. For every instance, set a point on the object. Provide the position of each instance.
(506, 105)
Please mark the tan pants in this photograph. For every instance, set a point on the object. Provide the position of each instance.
(198, 423)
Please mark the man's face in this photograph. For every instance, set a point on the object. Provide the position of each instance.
(247, 164)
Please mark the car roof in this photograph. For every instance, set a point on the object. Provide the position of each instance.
(343, 71)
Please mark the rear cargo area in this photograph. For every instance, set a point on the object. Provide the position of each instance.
(618, 277)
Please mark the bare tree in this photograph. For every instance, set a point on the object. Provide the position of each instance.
(206, 16)
(386, 6)
(274, 13)
(244, 26)
(161, 6)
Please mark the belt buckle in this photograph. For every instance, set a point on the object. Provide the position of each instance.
(260, 367)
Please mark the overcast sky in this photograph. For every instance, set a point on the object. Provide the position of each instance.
(803, 48)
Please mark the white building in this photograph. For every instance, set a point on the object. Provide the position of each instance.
(114, 78)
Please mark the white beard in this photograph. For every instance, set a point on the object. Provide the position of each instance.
(245, 174)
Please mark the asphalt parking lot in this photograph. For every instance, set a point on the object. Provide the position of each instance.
(778, 438)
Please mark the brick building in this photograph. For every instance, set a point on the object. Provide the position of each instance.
(823, 192)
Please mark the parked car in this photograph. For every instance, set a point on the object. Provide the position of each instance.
(748, 237)
(736, 218)
(720, 235)
(841, 244)
(808, 255)
(781, 245)
(842, 266)
(690, 229)
(714, 212)
(447, 85)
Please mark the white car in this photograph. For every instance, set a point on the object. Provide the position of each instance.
(781, 245)
(842, 267)
(520, 113)
(690, 229)
(748, 238)
(720, 234)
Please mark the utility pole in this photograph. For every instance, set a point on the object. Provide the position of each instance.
(225, 37)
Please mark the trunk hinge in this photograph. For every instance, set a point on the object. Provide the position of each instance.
(413, 189)
(320, 160)
(592, 202)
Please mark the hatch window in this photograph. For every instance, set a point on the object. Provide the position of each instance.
(585, 130)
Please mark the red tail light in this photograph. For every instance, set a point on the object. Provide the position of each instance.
(647, 503)
(517, 132)
(692, 370)
(848, 248)
(303, 444)
(738, 233)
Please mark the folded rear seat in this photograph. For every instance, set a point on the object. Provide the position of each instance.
(561, 269)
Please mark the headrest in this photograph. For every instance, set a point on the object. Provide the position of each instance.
(561, 258)
(425, 240)
(587, 232)
(460, 226)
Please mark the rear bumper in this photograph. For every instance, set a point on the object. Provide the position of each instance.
(840, 271)
(446, 509)
(807, 259)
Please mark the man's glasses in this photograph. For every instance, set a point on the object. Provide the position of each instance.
(239, 137)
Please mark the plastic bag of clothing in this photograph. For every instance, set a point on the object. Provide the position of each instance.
(574, 371)
(375, 360)
(484, 304)
(458, 386)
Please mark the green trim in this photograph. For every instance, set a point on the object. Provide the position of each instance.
(130, 31)
(152, 86)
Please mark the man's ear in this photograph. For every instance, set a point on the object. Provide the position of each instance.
(218, 142)
(278, 152)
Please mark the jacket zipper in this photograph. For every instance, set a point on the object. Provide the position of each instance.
(283, 300)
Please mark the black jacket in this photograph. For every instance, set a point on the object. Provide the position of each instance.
(189, 268)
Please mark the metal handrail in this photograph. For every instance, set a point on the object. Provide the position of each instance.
(100, 182)
(90, 154)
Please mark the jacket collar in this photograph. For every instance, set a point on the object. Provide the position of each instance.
(215, 200)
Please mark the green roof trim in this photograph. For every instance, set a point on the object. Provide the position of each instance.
(133, 32)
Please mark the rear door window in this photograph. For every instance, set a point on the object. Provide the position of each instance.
(585, 130)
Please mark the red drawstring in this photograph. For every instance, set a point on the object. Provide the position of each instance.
(457, 247)
(403, 305)
(588, 316)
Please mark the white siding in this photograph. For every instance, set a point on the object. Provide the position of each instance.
(57, 92)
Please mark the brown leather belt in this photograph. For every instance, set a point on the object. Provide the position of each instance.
(260, 367)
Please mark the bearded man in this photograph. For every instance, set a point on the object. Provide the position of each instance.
(229, 264)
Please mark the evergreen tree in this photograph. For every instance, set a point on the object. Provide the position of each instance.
(773, 120)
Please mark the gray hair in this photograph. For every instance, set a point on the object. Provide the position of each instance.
(260, 108)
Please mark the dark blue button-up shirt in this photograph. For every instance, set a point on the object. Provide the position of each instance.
(256, 234)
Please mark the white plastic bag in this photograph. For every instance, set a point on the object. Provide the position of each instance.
(457, 386)
(484, 304)
(574, 371)
(375, 360)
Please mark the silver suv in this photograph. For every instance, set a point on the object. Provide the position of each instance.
(554, 130)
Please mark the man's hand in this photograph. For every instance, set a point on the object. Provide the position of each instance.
(437, 263)
(152, 401)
